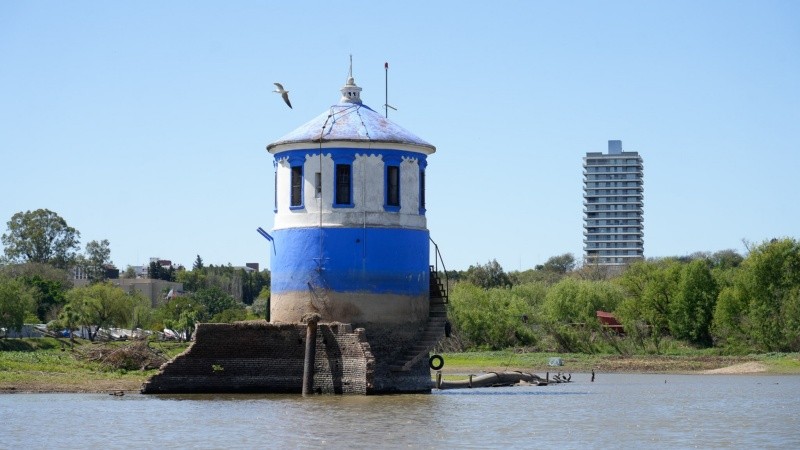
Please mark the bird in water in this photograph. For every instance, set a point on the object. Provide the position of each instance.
(284, 93)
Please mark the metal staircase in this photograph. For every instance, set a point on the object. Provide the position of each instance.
(434, 329)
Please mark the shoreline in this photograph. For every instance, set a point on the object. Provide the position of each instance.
(766, 364)
(98, 383)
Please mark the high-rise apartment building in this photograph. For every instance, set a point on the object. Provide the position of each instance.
(613, 206)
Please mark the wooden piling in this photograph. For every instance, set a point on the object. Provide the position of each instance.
(311, 351)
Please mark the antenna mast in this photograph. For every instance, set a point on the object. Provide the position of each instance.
(386, 105)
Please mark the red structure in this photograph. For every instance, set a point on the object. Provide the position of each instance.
(608, 320)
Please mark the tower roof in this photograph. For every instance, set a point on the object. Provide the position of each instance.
(350, 121)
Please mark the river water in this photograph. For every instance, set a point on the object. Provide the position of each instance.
(615, 411)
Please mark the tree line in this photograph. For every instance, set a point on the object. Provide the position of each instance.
(42, 252)
(726, 301)
(720, 300)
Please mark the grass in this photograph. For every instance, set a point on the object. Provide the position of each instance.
(781, 363)
(48, 364)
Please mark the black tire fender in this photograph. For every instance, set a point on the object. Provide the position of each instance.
(436, 362)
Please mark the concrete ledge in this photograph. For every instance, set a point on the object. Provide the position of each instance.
(267, 358)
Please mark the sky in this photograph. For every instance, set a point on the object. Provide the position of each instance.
(145, 123)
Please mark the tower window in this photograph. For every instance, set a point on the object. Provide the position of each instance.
(393, 186)
(422, 191)
(343, 185)
(275, 191)
(297, 187)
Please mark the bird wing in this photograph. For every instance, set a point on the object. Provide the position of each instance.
(285, 96)
(280, 86)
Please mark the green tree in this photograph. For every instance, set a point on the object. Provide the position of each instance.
(261, 304)
(198, 263)
(490, 318)
(41, 236)
(487, 276)
(650, 287)
(252, 285)
(156, 271)
(98, 254)
(180, 314)
(234, 314)
(726, 259)
(766, 296)
(102, 305)
(192, 280)
(50, 296)
(129, 273)
(729, 325)
(570, 311)
(69, 318)
(692, 308)
(214, 300)
(49, 286)
(560, 264)
(16, 301)
(573, 301)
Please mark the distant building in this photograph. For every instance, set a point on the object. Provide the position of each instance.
(613, 206)
(81, 275)
(158, 291)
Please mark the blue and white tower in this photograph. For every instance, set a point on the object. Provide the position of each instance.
(350, 236)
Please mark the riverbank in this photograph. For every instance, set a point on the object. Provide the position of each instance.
(51, 365)
(699, 363)
(57, 365)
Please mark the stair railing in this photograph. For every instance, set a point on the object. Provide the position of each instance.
(437, 258)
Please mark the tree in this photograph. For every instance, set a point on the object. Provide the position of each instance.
(487, 276)
(726, 259)
(214, 300)
(157, 272)
(490, 318)
(41, 236)
(198, 263)
(102, 305)
(68, 319)
(16, 301)
(570, 311)
(98, 254)
(650, 287)
(261, 304)
(573, 301)
(692, 309)
(181, 314)
(192, 280)
(764, 302)
(252, 285)
(730, 320)
(130, 273)
(560, 264)
(49, 286)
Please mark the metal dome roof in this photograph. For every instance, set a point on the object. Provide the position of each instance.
(353, 122)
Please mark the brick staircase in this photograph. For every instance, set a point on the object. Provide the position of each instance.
(434, 327)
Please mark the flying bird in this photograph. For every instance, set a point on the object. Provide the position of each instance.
(284, 93)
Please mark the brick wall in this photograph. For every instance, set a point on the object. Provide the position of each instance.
(267, 358)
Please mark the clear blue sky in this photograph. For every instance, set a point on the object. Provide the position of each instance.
(145, 123)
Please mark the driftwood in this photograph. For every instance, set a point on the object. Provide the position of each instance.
(492, 379)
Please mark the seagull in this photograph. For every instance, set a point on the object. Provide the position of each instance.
(284, 93)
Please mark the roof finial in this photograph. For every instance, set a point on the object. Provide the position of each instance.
(350, 92)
